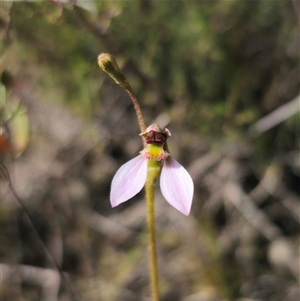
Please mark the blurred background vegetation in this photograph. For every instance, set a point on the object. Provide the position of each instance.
(213, 72)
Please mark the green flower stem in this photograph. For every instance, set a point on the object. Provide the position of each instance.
(153, 173)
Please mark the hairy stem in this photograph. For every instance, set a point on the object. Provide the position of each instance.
(137, 109)
(153, 172)
(109, 65)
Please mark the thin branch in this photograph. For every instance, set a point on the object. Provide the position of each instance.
(4, 174)
(234, 193)
(276, 117)
(109, 43)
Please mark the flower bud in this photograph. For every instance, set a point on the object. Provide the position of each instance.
(109, 65)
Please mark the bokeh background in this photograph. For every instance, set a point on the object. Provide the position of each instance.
(214, 73)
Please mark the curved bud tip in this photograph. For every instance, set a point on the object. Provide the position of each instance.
(109, 65)
(107, 62)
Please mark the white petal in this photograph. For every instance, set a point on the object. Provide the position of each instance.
(128, 181)
(177, 186)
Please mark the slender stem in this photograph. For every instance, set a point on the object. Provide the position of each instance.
(109, 65)
(153, 172)
(137, 109)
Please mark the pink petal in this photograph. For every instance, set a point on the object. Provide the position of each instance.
(177, 186)
(128, 181)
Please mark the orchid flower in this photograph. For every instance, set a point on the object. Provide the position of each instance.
(175, 182)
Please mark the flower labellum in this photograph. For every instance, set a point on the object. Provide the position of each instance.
(175, 182)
